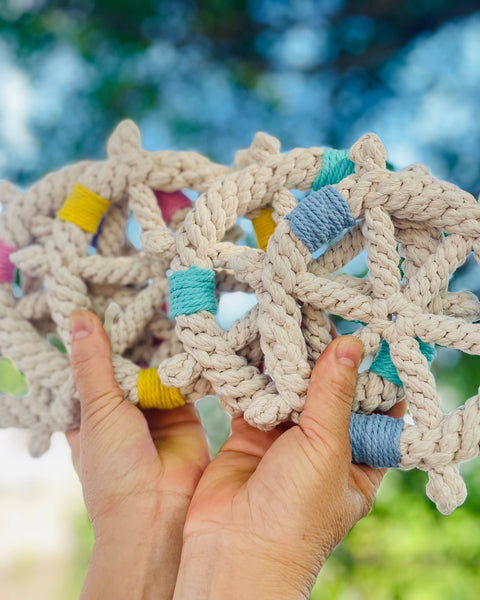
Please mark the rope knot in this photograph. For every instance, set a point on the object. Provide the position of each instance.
(404, 326)
(368, 153)
(398, 304)
(380, 309)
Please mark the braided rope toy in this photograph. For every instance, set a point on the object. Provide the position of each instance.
(66, 236)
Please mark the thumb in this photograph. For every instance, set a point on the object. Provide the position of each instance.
(326, 416)
(73, 439)
(92, 369)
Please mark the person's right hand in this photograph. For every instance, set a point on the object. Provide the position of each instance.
(138, 472)
(272, 505)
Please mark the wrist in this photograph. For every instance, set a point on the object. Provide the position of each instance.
(119, 572)
(242, 567)
(137, 551)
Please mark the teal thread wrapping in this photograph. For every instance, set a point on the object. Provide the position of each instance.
(375, 440)
(320, 216)
(191, 291)
(383, 365)
(336, 166)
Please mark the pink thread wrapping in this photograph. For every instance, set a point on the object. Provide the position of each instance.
(170, 202)
(7, 268)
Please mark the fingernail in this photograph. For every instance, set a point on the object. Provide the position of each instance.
(349, 351)
(81, 324)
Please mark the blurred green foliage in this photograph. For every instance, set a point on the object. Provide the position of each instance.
(71, 582)
(207, 74)
(12, 381)
(406, 549)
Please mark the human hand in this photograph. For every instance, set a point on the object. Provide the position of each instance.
(272, 505)
(138, 473)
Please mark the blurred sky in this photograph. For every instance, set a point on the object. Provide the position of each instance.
(186, 89)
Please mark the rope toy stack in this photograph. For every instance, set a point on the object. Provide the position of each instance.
(64, 241)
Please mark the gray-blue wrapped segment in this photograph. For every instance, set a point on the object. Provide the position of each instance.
(375, 440)
(320, 217)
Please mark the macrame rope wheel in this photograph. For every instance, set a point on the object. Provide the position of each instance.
(54, 250)
(260, 366)
(384, 298)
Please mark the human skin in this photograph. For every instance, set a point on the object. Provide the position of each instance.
(138, 472)
(257, 522)
(270, 508)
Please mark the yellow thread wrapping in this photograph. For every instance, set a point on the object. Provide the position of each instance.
(264, 226)
(84, 208)
(153, 394)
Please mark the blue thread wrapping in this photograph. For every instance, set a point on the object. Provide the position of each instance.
(320, 217)
(375, 440)
(336, 166)
(383, 365)
(191, 291)
(94, 241)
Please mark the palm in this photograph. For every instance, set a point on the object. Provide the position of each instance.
(251, 483)
(159, 452)
(181, 447)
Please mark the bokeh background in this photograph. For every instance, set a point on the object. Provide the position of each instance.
(206, 75)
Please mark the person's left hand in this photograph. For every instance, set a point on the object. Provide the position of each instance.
(138, 473)
(272, 505)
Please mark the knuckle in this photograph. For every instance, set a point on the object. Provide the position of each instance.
(111, 397)
(81, 366)
(85, 356)
(321, 437)
(104, 414)
(94, 390)
(366, 490)
(340, 389)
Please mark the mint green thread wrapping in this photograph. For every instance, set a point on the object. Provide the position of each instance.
(383, 365)
(336, 166)
(192, 291)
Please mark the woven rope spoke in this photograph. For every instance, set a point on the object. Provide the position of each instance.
(383, 259)
(433, 275)
(334, 297)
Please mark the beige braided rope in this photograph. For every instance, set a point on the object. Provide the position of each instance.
(53, 254)
(261, 365)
